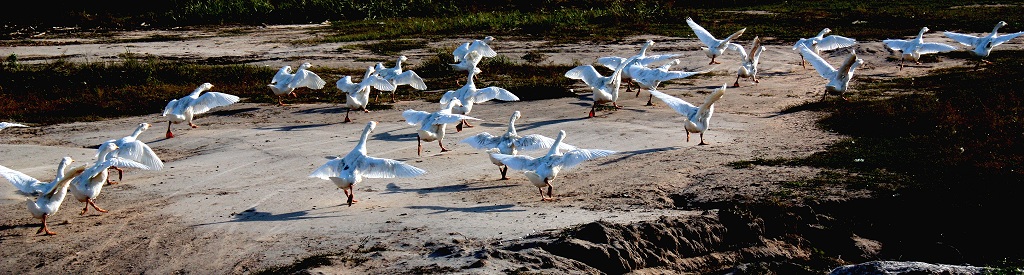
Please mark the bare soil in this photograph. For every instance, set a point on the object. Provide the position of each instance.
(234, 196)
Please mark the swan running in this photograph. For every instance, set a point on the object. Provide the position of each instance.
(642, 60)
(649, 79)
(983, 45)
(347, 171)
(87, 186)
(697, 119)
(4, 125)
(838, 79)
(715, 47)
(31, 186)
(48, 203)
(285, 82)
(541, 171)
(820, 43)
(510, 143)
(913, 49)
(398, 77)
(748, 68)
(432, 125)
(469, 62)
(185, 108)
(357, 95)
(469, 95)
(130, 147)
(606, 88)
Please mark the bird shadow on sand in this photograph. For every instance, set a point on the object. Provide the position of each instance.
(629, 154)
(323, 110)
(388, 136)
(252, 215)
(472, 209)
(294, 127)
(231, 112)
(394, 188)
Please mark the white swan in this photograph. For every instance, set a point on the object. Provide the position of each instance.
(748, 68)
(357, 95)
(697, 118)
(130, 147)
(87, 186)
(510, 143)
(913, 49)
(469, 95)
(185, 108)
(641, 60)
(4, 125)
(483, 47)
(838, 79)
(31, 186)
(48, 203)
(715, 47)
(543, 170)
(983, 45)
(649, 79)
(432, 125)
(469, 62)
(351, 169)
(606, 88)
(820, 43)
(285, 83)
(399, 77)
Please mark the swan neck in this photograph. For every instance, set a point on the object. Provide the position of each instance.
(60, 170)
(996, 29)
(554, 146)
(920, 34)
(361, 147)
(823, 33)
(138, 131)
(512, 125)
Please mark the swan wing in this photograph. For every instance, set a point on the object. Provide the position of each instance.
(124, 163)
(329, 169)
(11, 124)
(284, 74)
(534, 142)
(517, 162)
(211, 100)
(648, 75)
(345, 85)
(448, 96)
(653, 59)
(702, 34)
(833, 42)
(379, 83)
(802, 41)
(140, 152)
(681, 106)
(308, 79)
(461, 51)
(611, 62)
(932, 47)
(483, 140)
(575, 157)
(966, 39)
(824, 69)
(481, 47)
(410, 78)
(1006, 37)
(382, 168)
(587, 73)
(170, 107)
(414, 117)
(450, 118)
(493, 92)
(896, 44)
(25, 183)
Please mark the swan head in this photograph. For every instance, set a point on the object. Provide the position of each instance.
(516, 115)
(371, 125)
(144, 126)
(402, 58)
(206, 86)
(1001, 23)
(826, 30)
(923, 30)
(66, 161)
(305, 65)
(488, 39)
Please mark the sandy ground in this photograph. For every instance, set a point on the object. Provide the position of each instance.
(234, 196)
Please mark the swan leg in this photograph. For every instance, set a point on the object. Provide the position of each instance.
(419, 146)
(803, 63)
(393, 96)
(169, 134)
(351, 194)
(616, 105)
(702, 139)
(466, 122)
(542, 197)
(458, 127)
(192, 125)
(713, 61)
(737, 83)
(504, 171)
(650, 101)
(93, 203)
(346, 115)
(592, 109)
(442, 146)
(120, 172)
(630, 84)
(687, 136)
(824, 94)
(549, 197)
(44, 228)
(279, 101)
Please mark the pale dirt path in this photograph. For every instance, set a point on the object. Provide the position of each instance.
(235, 197)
